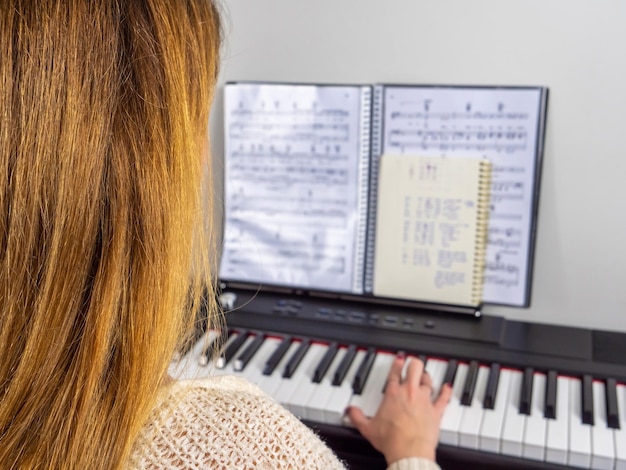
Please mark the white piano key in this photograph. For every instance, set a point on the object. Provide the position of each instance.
(514, 421)
(271, 383)
(534, 444)
(341, 395)
(451, 420)
(228, 368)
(469, 431)
(315, 406)
(493, 420)
(557, 446)
(290, 388)
(579, 433)
(254, 370)
(602, 441)
(369, 400)
(305, 387)
(436, 368)
(190, 365)
(619, 435)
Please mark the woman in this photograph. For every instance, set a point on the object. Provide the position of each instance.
(103, 112)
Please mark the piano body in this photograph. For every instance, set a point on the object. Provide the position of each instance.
(525, 395)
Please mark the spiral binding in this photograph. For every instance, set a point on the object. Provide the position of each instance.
(482, 225)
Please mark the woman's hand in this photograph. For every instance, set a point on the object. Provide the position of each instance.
(407, 421)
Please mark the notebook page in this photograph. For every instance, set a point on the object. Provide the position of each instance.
(427, 229)
(295, 172)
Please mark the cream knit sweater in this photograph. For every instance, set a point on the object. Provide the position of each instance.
(228, 423)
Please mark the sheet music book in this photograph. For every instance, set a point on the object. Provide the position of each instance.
(431, 221)
(302, 168)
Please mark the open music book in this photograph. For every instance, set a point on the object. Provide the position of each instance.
(302, 164)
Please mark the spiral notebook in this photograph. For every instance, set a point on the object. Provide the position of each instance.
(302, 174)
(432, 217)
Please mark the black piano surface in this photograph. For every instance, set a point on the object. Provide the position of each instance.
(568, 350)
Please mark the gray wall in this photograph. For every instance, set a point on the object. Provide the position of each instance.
(577, 48)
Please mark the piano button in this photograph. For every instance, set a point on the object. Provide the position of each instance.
(325, 395)
(549, 411)
(451, 420)
(344, 365)
(324, 364)
(534, 443)
(272, 382)
(276, 356)
(342, 393)
(514, 422)
(304, 386)
(363, 373)
(579, 432)
(587, 403)
(525, 399)
(557, 432)
(232, 346)
(294, 361)
(450, 372)
(602, 450)
(470, 383)
(612, 410)
(371, 395)
(493, 418)
(436, 368)
(243, 359)
(492, 387)
(469, 431)
(620, 434)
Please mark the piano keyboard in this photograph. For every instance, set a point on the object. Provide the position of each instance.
(525, 413)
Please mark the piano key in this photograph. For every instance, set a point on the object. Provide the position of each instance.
(211, 347)
(363, 373)
(371, 395)
(325, 395)
(324, 364)
(243, 359)
(557, 442)
(579, 432)
(587, 402)
(451, 420)
(276, 357)
(341, 394)
(448, 378)
(235, 341)
(296, 358)
(602, 450)
(305, 387)
(550, 397)
(612, 409)
(620, 434)
(493, 418)
(470, 383)
(436, 368)
(272, 382)
(469, 430)
(345, 364)
(492, 386)
(535, 429)
(514, 421)
(525, 399)
(188, 366)
(254, 369)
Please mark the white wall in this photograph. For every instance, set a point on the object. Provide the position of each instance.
(577, 48)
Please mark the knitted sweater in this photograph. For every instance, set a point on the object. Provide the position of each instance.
(227, 422)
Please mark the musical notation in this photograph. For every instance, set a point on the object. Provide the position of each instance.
(497, 124)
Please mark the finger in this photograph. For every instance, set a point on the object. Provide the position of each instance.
(395, 373)
(414, 372)
(442, 400)
(426, 380)
(358, 420)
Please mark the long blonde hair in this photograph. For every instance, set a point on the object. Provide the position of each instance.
(103, 114)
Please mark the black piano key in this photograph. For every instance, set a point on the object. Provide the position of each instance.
(344, 366)
(294, 361)
(423, 358)
(364, 371)
(492, 387)
(324, 364)
(470, 384)
(231, 349)
(526, 393)
(587, 408)
(450, 372)
(549, 410)
(612, 409)
(276, 356)
(242, 360)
